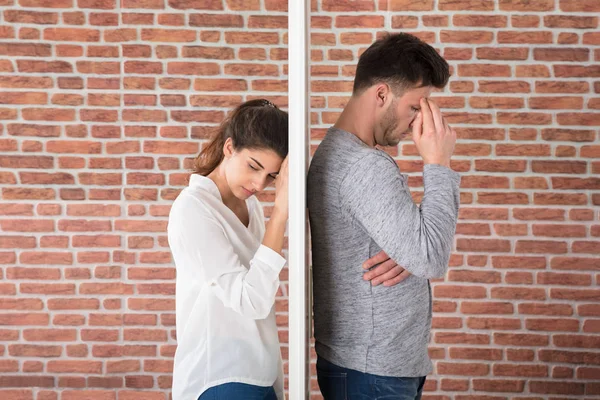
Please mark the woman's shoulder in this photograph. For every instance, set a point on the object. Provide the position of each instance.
(190, 203)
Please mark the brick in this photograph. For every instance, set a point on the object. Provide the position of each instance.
(193, 68)
(533, 37)
(144, 115)
(579, 6)
(505, 53)
(48, 114)
(576, 54)
(472, 369)
(573, 135)
(471, 5)
(512, 293)
(574, 294)
(216, 20)
(487, 21)
(143, 67)
(575, 71)
(145, 335)
(454, 291)
(559, 167)
(568, 388)
(542, 324)
(498, 385)
(540, 246)
(72, 34)
(487, 70)
(120, 35)
(526, 6)
(168, 35)
(525, 370)
(576, 341)
(525, 21)
(486, 308)
(574, 263)
(510, 229)
(493, 323)
(215, 53)
(24, 98)
(33, 66)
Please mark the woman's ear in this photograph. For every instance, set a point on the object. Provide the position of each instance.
(228, 148)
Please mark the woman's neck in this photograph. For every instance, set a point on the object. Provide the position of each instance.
(227, 196)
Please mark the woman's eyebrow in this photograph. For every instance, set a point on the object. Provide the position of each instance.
(259, 164)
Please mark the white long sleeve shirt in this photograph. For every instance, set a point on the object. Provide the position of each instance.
(225, 294)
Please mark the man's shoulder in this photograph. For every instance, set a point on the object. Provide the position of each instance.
(339, 150)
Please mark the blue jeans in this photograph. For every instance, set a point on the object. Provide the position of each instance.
(337, 383)
(238, 391)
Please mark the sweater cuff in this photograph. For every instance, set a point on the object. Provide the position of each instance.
(436, 171)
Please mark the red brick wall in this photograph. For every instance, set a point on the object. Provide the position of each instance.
(103, 107)
(518, 315)
(104, 104)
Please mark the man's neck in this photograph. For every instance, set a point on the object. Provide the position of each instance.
(352, 120)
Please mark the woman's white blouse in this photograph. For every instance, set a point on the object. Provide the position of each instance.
(225, 294)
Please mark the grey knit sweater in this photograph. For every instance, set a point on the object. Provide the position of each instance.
(359, 203)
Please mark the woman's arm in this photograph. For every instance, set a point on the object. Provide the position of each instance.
(203, 251)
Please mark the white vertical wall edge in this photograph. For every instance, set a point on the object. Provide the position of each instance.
(297, 233)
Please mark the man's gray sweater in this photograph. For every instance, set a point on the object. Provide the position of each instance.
(359, 204)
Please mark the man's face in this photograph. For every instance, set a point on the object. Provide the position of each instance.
(397, 120)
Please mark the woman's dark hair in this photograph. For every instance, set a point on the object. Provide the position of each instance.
(402, 61)
(255, 124)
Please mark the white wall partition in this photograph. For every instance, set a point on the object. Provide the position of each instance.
(298, 158)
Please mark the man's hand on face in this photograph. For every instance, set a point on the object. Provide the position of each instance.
(432, 135)
(382, 269)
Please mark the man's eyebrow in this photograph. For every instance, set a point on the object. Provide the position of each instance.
(259, 164)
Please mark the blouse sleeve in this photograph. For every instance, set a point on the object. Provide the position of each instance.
(249, 290)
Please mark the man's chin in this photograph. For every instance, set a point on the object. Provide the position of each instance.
(394, 141)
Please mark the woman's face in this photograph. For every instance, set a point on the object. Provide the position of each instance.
(249, 171)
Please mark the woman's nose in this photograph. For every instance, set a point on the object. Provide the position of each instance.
(259, 184)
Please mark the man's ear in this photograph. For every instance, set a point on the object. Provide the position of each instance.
(382, 92)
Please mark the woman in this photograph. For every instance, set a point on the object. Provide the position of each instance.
(228, 262)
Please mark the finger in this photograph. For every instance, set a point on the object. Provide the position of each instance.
(284, 165)
(283, 170)
(397, 279)
(379, 270)
(376, 259)
(417, 127)
(428, 124)
(446, 126)
(437, 116)
(391, 274)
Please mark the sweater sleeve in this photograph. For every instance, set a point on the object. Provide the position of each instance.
(419, 238)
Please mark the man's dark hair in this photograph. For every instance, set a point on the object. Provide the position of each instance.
(402, 61)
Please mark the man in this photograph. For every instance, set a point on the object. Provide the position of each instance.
(371, 341)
